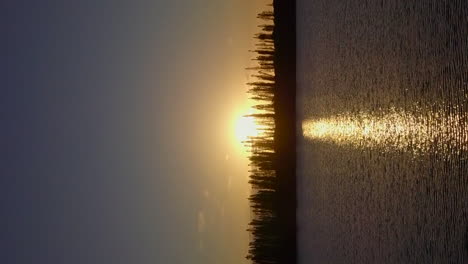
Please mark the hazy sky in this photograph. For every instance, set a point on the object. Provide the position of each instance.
(118, 143)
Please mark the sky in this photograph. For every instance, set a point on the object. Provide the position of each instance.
(117, 135)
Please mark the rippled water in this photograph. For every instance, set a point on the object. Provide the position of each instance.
(383, 149)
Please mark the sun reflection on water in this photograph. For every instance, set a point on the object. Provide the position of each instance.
(396, 129)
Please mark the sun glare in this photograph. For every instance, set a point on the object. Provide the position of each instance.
(245, 127)
(418, 132)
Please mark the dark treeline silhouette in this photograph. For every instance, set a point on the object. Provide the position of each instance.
(272, 200)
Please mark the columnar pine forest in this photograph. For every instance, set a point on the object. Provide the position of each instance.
(267, 244)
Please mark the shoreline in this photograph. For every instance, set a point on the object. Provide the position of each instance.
(285, 122)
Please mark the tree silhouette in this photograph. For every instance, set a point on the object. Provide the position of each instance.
(265, 246)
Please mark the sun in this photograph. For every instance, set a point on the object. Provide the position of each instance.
(245, 127)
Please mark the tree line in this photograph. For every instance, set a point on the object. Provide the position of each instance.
(265, 245)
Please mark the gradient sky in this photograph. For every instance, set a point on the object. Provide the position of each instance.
(117, 139)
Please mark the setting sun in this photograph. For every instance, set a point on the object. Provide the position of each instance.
(245, 127)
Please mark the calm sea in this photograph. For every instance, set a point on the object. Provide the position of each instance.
(383, 143)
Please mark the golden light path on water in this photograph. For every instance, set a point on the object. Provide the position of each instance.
(393, 129)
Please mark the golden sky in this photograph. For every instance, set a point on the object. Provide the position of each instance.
(196, 126)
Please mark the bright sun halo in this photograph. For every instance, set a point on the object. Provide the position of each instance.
(245, 127)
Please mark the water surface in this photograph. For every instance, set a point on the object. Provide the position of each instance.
(383, 144)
